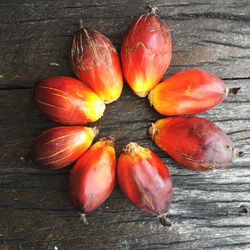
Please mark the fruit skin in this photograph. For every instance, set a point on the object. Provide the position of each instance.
(146, 52)
(60, 146)
(194, 142)
(93, 177)
(68, 101)
(144, 179)
(95, 61)
(188, 92)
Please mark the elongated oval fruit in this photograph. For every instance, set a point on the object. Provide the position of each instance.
(60, 146)
(146, 52)
(195, 143)
(95, 61)
(188, 92)
(93, 177)
(145, 180)
(67, 101)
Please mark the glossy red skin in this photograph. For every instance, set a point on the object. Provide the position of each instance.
(145, 180)
(188, 92)
(68, 101)
(195, 143)
(93, 177)
(95, 61)
(60, 146)
(146, 52)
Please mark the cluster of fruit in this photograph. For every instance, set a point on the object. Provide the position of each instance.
(146, 52)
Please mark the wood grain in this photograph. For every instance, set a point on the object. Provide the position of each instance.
(37, 36)
(209, 209)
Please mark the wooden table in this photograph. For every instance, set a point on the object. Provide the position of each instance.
(209, 209)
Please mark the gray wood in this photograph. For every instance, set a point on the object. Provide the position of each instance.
(209, 209)
(36, 36)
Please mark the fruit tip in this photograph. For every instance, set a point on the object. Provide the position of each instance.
(109, 140)
(141, 94)
(164, 220)
(131, 148)
(152, 131)
(96, 131)
(237, 152)
(153, 9)
(234, 90)
(150, 97)
(83, 218)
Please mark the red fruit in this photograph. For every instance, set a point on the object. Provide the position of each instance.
(95, 61)
(67, 101)
(145, 180)
(92, 179)
(146, 53)
(194, 142)
(188, 92)
(59, 147)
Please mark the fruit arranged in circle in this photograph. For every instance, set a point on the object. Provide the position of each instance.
(95, 61)
(144, 179)
(60, 146)
(68, 101)
(188, 92)
(93, 177)
(194, 142)
(146, 52)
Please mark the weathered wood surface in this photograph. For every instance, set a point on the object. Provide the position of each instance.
(35, 34)
(207, 207)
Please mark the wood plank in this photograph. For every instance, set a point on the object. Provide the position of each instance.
(36, 213)
(104, 9)
(36, 10)
(34, 42)
(209, 209)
